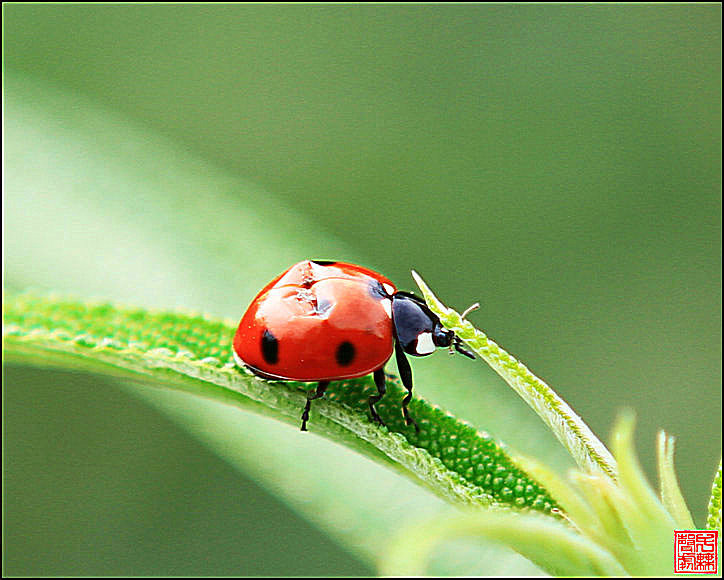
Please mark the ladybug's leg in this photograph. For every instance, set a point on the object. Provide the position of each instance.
(403, 366)
(381, 383)
(321, 387)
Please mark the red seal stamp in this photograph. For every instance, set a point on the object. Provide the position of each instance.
(695, 551)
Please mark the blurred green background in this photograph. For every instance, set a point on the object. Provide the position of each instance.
(560, 164)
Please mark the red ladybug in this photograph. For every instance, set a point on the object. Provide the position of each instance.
(322, 321)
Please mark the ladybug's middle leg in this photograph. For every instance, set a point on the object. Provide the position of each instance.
(321, 387)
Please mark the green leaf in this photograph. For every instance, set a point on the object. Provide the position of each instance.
(569, 428)
(632, 478)
(670, 492)
(615, 527)
(551, 545)
(567, 496)
(713, 519)
(193, 353)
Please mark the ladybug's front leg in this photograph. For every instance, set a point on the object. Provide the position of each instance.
(403, 366)
(321, 387)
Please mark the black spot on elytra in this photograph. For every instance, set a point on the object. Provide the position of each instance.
(269, 347)
(323, 262)
(345, 353)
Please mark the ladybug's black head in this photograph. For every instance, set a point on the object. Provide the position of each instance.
(418, 329)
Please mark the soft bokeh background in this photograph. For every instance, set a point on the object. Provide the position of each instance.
(561, 164)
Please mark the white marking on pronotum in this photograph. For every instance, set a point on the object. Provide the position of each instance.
(387, 305)
(389, 289)
(424, 345)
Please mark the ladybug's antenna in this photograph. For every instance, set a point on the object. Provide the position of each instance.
(470, 309)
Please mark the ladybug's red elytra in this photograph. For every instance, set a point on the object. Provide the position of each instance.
(321, 321)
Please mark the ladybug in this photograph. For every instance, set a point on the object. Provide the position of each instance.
(322, 321)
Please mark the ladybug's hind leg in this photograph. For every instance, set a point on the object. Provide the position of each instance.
(403, 366)
(381, 383)
(321, 387)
